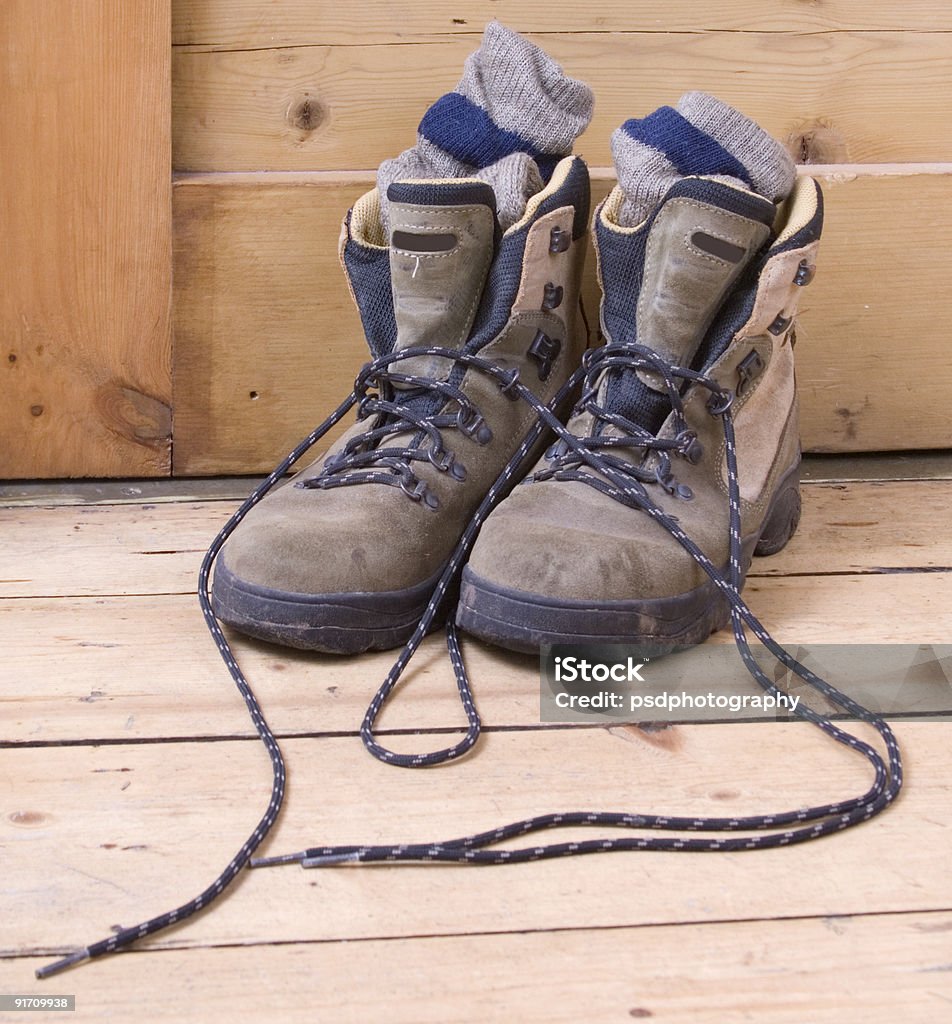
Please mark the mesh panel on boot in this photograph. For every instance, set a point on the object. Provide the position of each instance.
(369, 272)
(622, 260)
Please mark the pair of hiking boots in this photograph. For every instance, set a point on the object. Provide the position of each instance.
(697, 316)
(573, 494)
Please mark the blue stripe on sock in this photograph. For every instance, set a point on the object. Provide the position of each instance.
(465, 131)
(688, 148)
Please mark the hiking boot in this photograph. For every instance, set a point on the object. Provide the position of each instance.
(343, 558)
(706, 286)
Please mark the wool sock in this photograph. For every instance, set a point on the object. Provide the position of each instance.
(512, 117)
(702, 136)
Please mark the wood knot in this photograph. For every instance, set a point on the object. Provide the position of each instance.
(138, 417)
(28, 818)
(306, 114)
(662, 735)
(817, 142)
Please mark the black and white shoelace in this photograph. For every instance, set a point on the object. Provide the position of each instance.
(580, 459)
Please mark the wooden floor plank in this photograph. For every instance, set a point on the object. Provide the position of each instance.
(145, 668)
(107, 549)
(878, 969)
(102, 835)
(95, 835)
(156, 549)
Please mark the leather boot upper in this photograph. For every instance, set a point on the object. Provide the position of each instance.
(732, 314)
(445, 276)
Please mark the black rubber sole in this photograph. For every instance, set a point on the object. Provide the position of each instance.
(521, 621)
(330, 623)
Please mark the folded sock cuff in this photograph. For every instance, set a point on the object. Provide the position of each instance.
(770, 169)
(465, 131)
(687, 148)
(526, 92)
(513, 116)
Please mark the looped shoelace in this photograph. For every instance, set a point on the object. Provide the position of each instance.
(363, 459)
(565, 461)
(617, 479)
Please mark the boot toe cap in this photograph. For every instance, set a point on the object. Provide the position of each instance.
(550, 546)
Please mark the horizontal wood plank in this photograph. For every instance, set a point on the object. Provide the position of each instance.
(268, 341)
(775, 972)
(258, 364)
(97, 550)
(181, 688)
(248, 24)
(116, 833)
(832, 96)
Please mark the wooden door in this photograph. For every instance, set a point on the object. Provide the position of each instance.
(85, 220)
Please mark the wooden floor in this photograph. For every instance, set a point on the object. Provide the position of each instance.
(131, 775)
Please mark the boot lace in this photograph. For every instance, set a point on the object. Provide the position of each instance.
(568, 463)
(589, 459)
(366, 459)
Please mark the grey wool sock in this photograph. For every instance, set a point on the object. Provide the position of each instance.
(702, 136)
(512, 117)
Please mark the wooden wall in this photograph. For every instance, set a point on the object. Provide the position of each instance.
(298, 101)
(280, 111)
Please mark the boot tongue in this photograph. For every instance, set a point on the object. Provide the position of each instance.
(442, 240)
(691, 252)
(697, 248)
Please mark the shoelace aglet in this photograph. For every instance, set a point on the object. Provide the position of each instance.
(61, 965)
(284, 858)
(324, 859)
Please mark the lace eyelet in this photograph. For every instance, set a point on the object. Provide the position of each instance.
(446, 462)
(805, 273)
(720, 402)
(670, 486)
(557, 450)
(663, 477)
(689, 447)
(417, 490)
(472, 424)
(440, 458)
(507, 387)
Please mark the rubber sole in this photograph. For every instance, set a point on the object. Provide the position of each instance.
(330, 623)
(521, 621)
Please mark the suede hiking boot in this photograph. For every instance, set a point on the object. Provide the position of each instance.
(698, 315)
(344, 557)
